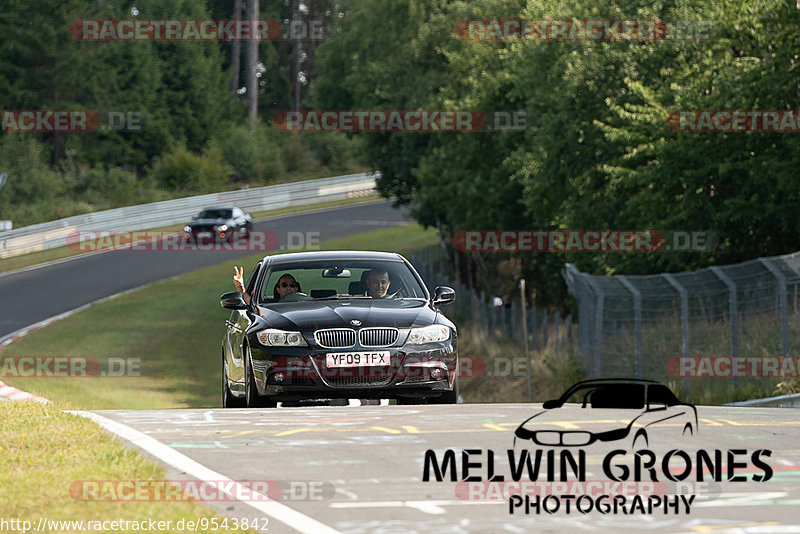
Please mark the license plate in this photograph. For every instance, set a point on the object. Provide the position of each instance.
(357, 359)
(204, 235)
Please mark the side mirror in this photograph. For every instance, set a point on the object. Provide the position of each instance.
(443, 295)
(233, 301)
(549, 405)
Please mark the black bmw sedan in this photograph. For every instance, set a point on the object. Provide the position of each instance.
(338, 325)
(218, 224)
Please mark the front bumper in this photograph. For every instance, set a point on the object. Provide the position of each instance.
(301, 373)
(207, 236)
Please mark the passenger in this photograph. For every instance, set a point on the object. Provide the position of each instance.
(285, 285)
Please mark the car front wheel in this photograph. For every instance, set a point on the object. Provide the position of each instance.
(448, 397)
(252, 398)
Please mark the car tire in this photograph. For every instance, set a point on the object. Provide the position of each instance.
(228, 399)
(448, 397)
(252, 398)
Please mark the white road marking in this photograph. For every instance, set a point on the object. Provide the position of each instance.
(272, 509)
(349, 494)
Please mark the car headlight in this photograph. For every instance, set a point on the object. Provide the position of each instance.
(281, 338)
(221, 228)
(428, 334)
(187, 228)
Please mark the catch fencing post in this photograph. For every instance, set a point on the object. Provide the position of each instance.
(637, 321)
(525, 338)
(733, 305)
(684, 318)
(783, 299)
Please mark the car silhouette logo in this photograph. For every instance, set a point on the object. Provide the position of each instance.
(644, 404)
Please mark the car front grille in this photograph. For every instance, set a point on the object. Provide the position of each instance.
(369, 380)
(335, 338)
(377, 337)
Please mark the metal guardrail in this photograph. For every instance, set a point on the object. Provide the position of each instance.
(783, 401)
(54, 234)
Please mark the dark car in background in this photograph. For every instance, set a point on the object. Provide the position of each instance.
(218, 224)
(331, 340)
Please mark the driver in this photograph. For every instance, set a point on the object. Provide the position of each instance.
(378, 283)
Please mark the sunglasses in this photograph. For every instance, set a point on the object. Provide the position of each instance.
(288, 284)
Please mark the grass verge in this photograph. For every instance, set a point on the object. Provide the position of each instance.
(45, 453)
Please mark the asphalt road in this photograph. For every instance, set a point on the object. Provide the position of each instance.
(359, 469)
(31, 295)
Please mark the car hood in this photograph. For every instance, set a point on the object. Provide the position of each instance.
(313, 315)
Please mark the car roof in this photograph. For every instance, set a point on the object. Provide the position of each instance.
(602, 381)
(333, 255)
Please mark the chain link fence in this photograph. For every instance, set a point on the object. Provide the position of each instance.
(633, 325)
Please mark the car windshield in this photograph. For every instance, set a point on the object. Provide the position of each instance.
(620, 396)
(215, 214)
(341, 279)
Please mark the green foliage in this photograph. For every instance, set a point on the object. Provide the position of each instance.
(334, 150)
(397, 67)
(598, 153)
(183, 170)
(255, 159)
(295, 155)
(31, 185)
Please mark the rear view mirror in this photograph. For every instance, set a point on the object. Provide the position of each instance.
(336, 272)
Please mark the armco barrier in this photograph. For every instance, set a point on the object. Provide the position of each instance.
(158, 214)
(784, 401)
